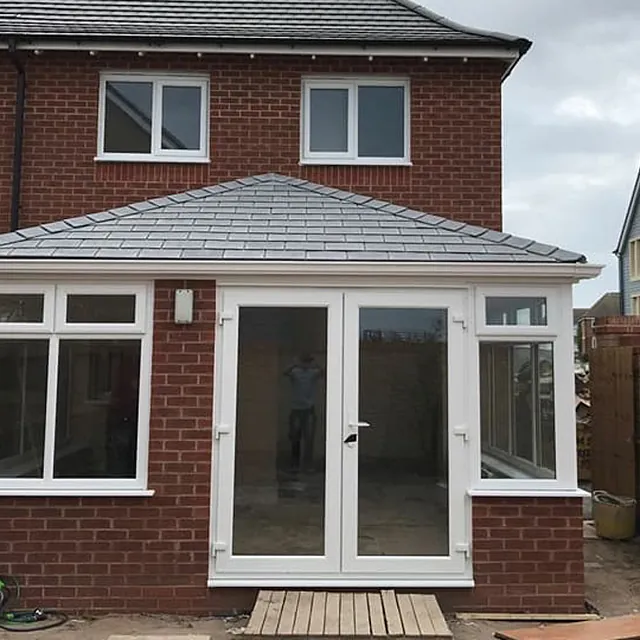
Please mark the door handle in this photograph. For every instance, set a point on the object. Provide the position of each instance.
(351, 438)
(359, 425)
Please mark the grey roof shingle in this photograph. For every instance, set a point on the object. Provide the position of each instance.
(273, 217)
(373, 21)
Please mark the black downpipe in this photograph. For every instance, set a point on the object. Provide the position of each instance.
(16, 184)
(621, 282)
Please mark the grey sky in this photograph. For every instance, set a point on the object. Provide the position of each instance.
(571, 121)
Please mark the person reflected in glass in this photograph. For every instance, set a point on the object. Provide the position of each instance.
(304, 377)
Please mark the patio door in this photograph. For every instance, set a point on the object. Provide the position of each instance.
(404, 468)
(339, 417)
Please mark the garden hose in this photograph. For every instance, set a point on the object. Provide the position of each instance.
(23, 620)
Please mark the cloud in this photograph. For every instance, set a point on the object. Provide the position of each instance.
(571, 121)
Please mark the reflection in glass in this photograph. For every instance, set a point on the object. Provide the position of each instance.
(328, 113)
(506, 311)
(403, 457)
(280, 432)
(110, 309)
(23, 399)
(97, 411)
(127, 118)
(18, 307)
(517, 410)
(181, 113)
(381, 122)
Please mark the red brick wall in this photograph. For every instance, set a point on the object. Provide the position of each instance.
(254, 128)
(135, 554)
(617, 331)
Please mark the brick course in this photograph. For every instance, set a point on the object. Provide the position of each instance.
(254, 128)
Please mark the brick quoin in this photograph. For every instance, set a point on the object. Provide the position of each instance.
(254, 128)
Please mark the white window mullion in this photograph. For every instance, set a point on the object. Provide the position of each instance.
(51, 408)
(352, 127)
(156, 118)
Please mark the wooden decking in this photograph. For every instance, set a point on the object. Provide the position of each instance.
(305, 614)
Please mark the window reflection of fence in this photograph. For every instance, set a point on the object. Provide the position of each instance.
(412, 337)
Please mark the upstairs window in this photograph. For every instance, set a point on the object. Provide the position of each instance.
(355, 121)
(153, 118)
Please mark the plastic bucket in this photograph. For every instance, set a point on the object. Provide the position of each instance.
(614, 516)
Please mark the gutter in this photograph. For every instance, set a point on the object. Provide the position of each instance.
(16, 184)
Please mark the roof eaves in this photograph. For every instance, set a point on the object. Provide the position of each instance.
(523, 44)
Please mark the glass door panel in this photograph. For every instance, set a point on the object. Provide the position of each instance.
(279, 493)
(403, 503)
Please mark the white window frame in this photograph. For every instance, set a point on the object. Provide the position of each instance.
(634, 259)
(157, 153)
(56, 329)
(30, 327)
(635, 305)
(559, 333)
(351, 84)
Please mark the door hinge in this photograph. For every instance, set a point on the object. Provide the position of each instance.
(462, 431)
(465, 548)
(224, 316)
(217, 548)
(460, 319)
(221, 429)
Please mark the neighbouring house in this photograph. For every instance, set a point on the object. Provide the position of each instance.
(577, 314)
(259, 323)
(606, 306)
(628, 253)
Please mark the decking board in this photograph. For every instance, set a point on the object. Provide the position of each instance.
(299, 615)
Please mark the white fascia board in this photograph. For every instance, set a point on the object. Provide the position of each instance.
(97, 46)
(508, 271)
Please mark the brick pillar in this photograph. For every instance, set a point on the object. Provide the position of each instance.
(617, 331)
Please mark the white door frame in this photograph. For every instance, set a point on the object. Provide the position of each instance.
(339, 566)
(454, 303)
(225, 436)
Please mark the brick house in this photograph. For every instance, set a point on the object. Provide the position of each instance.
(249, 368)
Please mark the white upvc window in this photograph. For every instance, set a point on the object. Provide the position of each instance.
(153, 118)
(74, 389)
(635, 305)
(525, 357)
(361, 120)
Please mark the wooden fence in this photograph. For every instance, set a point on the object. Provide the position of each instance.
(615, 380)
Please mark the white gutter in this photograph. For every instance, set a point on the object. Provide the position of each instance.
(212, 269)
(272, 49)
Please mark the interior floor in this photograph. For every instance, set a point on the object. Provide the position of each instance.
(404, 517)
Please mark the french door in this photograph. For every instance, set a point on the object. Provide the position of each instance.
(340, 415)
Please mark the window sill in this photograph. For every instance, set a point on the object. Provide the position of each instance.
(153, 159)
(362, 162)
(527, 493)
(79, 493)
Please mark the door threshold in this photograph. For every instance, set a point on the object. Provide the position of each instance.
(340, 583)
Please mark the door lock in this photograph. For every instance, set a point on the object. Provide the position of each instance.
(351, 438)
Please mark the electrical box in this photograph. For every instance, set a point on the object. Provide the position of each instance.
(183, 312)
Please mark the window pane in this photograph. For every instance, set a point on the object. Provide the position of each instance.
(328, 112)
(381, 122)
(127, 117)
(97, 413)
(516, 311)
(23, 399)
(181, 111)
(16, 307)
(517, 410)
(101, 308)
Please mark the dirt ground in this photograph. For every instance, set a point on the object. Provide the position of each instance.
(613, 587)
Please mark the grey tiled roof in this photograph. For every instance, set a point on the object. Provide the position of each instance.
(272, 217)
(399, 21)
